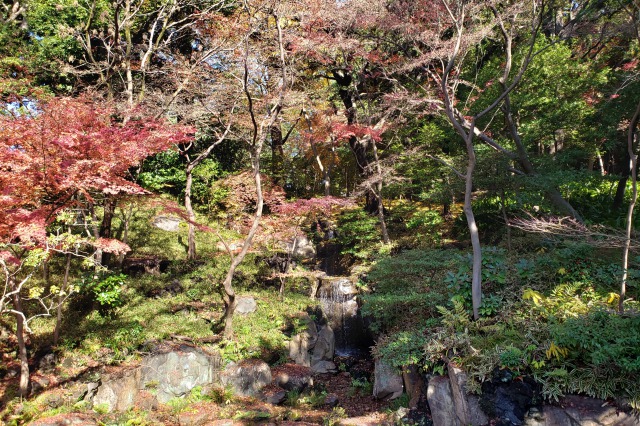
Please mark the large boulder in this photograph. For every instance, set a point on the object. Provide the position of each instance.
(440, 400)
(302, 344)
(387, 382)
(579, 410)
(292, 377)
(118, 392)
(176, 372)
(325, 346)
(414, 385)
(302, 248)
(467, 406)
(167, 223)
(171, 372)
(247, 377)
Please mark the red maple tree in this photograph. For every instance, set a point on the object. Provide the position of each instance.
(60, 154)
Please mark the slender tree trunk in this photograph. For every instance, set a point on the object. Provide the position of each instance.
(277, 154)
(258, 139)
(230, 296)
(191, 239)
(383, 223)
(110, 204)
(22, 346)
(476, 275)
(631, 137)
(63, 289)
(96, 234)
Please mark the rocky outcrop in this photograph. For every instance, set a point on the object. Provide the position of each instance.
(302, 344)
(247, 377)
(118, 392)
(169, 373)
(440, 400)
(387, 382)
(579, 410)
(292, 377)
(175, 373)
(314, 348)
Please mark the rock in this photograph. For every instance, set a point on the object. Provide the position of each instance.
(324, 367)
(54, 400)
(400, 415)
(506, 399)
(167, 223)
(146, 400)
(441, 402)
(302, 248)
(48, 363)
(579, 410)
(247, 377)
(325, 348)
(118, 392)
(176, 372)
(38, 384)
(331, 400)
(13, 372)
(413, 384)
(292, 377)
(72, 419)
(273, 394)
(467, 407)
(387, 382)
(246, 305)
(302, 343)
(92, 389)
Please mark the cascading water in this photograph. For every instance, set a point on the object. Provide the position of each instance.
(337, 296)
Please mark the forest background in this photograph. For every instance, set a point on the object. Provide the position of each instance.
(476, 161)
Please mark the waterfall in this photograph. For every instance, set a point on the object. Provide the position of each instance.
(337, 296)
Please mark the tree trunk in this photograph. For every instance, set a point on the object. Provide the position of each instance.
(358, 146)
(191, 239)
(63, 289)
(476, 276)
(383, 223)
(22, 346)
(631, 136)
(110, 204)
(230, 295)
(277, 155)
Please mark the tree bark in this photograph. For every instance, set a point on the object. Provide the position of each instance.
(277, 155)
(63, 289)
(110, 204)
(631, 137)
(191, 239)
(358, 146)
(22, 346)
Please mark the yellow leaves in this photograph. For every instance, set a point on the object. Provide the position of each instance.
(35, 292)
(613, 298)
(535, 296)
(556, 352)
(562, 271)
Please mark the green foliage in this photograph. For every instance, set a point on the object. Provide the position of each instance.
(357, 233)
(334, 417)
(362, 386)
(602, 338)
(105, 289)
